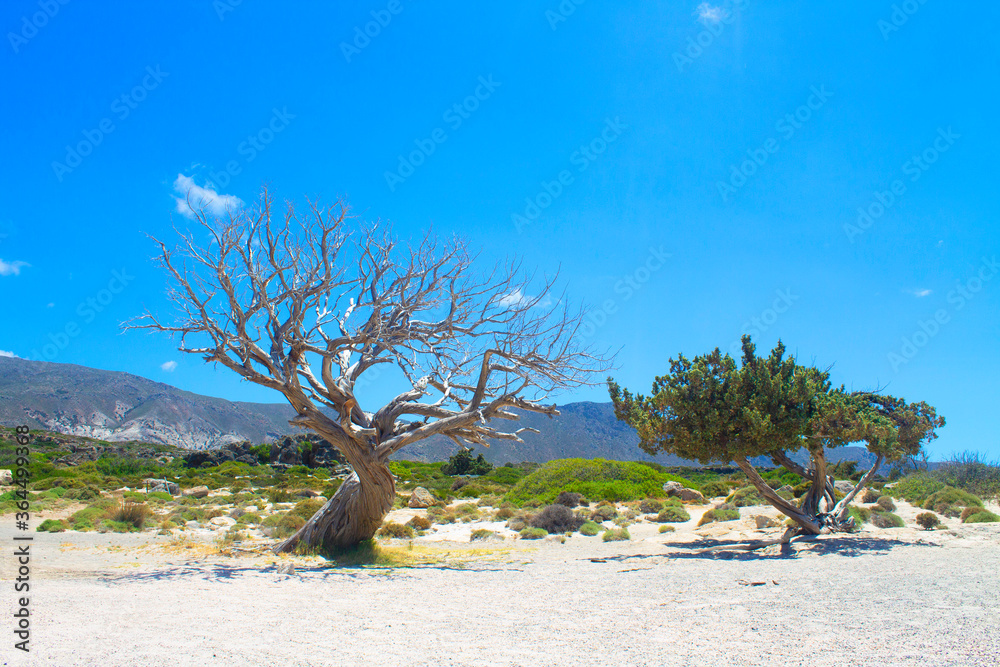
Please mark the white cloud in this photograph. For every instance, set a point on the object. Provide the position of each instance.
(517, 298)
(11, 268)
(168, 366)
(920, 293)
(5, 353)
(709, 14)
(202, 198)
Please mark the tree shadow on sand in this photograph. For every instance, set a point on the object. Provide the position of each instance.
(844, 546)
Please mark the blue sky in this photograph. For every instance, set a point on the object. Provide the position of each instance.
(741, 139)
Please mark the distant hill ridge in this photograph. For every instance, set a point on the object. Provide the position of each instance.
(118, 407)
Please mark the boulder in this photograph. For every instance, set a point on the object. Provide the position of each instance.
(421, 498)
(164, 485)
(787, 487)
(6, 477)
(844, 486)
(765, 522)
(223, 521)
(678, 490)
(196, 491)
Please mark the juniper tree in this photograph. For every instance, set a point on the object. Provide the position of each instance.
(314, 306)
(710, 408)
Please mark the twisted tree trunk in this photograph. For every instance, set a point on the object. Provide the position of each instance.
(356, 510)
(351, 516)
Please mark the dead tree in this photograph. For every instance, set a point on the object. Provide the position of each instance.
(308, 305)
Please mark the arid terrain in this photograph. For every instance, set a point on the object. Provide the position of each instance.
(899, 596)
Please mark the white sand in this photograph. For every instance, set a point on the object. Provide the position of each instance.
(882, 597)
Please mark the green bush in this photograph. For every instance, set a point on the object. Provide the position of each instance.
(616, 535)
(666, 528)
(715, 489)
(596, 479)
(650, 506)
(928, 520)
(396, 530)
(746, 497)
(306, 508)
(249, 517)
(590, 529)
(718, 515)
(984, 516)
(283, 525)
(533, 533)
(861, 514)
(113, 526)
(604, 512)
(886, 520)
(949, 495)
(51, 526)
(916, 488)
(673, 514)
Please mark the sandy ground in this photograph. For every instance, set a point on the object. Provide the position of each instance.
(880, 597)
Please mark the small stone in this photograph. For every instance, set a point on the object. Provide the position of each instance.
(196, 492)
(223, 521)
(843, 486)
(421, 498)
(161, 485)
(6, 477)
(678, 490)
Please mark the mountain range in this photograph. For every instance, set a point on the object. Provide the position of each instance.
(117, 407)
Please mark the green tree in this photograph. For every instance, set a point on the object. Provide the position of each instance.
(710, 408)
(462, 463)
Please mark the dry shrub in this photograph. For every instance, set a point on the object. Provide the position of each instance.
(570, 499)
(885, 502)
(419, 523)
(868, 496)
(396, 530)
(557, 519)
(928, 520)
(128, 512)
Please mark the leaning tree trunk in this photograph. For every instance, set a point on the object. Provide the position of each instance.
(354, 512)
(819, 512)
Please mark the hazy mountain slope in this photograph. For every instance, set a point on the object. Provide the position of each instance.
(118, 407)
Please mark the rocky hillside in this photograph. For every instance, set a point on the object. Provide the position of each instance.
(120, 407)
